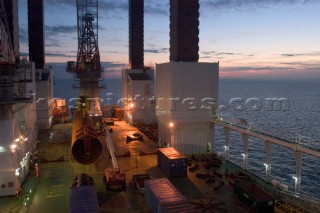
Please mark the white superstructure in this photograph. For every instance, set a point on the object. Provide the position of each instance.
(18, 132)
(138, 95)
(18, 104)
(186, 94)
(44, 94)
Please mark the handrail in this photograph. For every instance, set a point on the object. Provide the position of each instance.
(245, 129)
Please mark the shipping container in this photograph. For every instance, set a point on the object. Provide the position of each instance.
(172, 163)
(162, 197)
(83, 199)
(251, 194)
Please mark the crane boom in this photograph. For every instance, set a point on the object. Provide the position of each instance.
(111, 149)
(114, 179)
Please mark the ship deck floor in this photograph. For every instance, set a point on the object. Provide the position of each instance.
(50, 191)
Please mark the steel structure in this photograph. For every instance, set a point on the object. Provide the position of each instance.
(87, 68)
(88, 58)
(184, 30)
(136, 58)
(36, 32)
(86, 133)
(14, 74)
(304, 201)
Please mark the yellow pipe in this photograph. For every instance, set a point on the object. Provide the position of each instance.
(86, 144)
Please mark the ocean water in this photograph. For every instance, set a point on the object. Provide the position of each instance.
(295, 115)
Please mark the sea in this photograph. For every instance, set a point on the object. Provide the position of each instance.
(286, 108)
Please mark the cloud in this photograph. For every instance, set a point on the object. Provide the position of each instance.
(53, 32)
(219, 55)
(52, 54)
(161, 50)
(160, 8)
(151, 7)
(236, 4)
(253, 68)
(111, 5)
(290, 70)
(205, 57)
(227, 53)
(208, 52)
(23, 35)
(54, 44)
(290, 55)
(116, 8)
(105, 6)
(310, 63)
(52, 41)
(63, 29)
(60, 2)
(300, 54)
(264, 73)
(114, 52)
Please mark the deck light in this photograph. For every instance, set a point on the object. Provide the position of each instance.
(295, 183)
(17, 172)
(267, 166)
(13, 147)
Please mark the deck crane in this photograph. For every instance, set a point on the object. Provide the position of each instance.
(87, 70)
(114, 179)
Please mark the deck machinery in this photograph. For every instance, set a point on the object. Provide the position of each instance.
(115, 179)
(87, 70)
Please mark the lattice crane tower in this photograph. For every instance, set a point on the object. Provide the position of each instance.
(87, 69)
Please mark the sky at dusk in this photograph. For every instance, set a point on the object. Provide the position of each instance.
(272, 39)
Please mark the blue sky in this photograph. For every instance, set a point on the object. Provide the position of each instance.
(273, 39)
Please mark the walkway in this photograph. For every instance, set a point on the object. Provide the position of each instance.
(245, 129)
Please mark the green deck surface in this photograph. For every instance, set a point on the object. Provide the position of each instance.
(50, 191)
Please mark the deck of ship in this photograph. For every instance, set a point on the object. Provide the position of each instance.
(50, 191)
